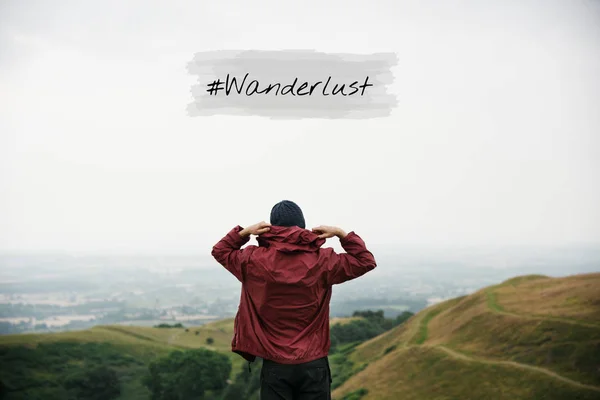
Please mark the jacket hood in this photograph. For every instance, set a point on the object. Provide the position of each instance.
(290, 239)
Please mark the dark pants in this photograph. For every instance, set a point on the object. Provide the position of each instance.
(307, 381)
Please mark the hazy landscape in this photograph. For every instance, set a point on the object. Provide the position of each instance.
(477, 193)
(528, 337)
(54, 292)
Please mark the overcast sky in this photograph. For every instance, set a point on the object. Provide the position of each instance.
(495, 139)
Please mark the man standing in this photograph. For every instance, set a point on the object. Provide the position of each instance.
(283, 316)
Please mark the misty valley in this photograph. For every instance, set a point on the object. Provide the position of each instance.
(71, 292)
(510, 323)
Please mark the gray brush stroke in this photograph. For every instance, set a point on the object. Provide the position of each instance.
(270, 67)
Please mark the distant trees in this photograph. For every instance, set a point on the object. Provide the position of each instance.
(187, 374)
(403, 317)
(177, 325)
(371, 324)
(355, 331)
(210, 340)
(377, 317)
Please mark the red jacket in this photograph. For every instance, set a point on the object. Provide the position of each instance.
(283, 314)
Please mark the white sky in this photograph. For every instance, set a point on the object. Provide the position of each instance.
(495, 139)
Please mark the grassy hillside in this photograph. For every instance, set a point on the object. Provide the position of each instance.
(128, 349)
(531, 337)
(34, 364)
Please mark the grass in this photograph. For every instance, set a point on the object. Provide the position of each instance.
(422, 372)
(145, 344)
(421, 336)
(491, 301)
(524, 278)
(530, 337)
(342, 368)
(422, 333)
(571, 299)
(343, 320)
(527, 338)
(356, 395)
(374, 347)
(224, 325)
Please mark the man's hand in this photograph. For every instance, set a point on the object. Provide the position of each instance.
(326, 232)
(256, 229)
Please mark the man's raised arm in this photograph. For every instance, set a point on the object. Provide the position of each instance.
(229, 253)
(357, 260)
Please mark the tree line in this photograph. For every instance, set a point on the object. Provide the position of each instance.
(97, 371)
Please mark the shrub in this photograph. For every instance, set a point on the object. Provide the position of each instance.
(177, 325)
(94, 383)
(187, 374)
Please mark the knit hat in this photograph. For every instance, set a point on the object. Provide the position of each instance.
(287, 213)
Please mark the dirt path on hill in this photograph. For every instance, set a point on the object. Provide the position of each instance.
(552, 374)
(498, 309)
(413, 329)
(420, 325)
(423, 321)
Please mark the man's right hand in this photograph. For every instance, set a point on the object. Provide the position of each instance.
(326, 232)
(256, 229)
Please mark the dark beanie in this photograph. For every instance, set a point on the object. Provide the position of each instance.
(287, 213)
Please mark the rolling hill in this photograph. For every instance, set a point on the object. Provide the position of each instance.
(531, 337)
(47, 358)
(128, 349)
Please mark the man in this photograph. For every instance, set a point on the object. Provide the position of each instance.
(283, 316)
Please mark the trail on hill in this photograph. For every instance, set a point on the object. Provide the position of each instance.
(554, 375)
(416, 334)
(420, 329)
(419, 332)
(498, 309)
(413, 329)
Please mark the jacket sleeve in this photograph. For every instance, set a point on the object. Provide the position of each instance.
(356, 262)
(228, 252)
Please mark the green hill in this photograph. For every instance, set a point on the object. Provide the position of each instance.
(531, 337)
(36, 365)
